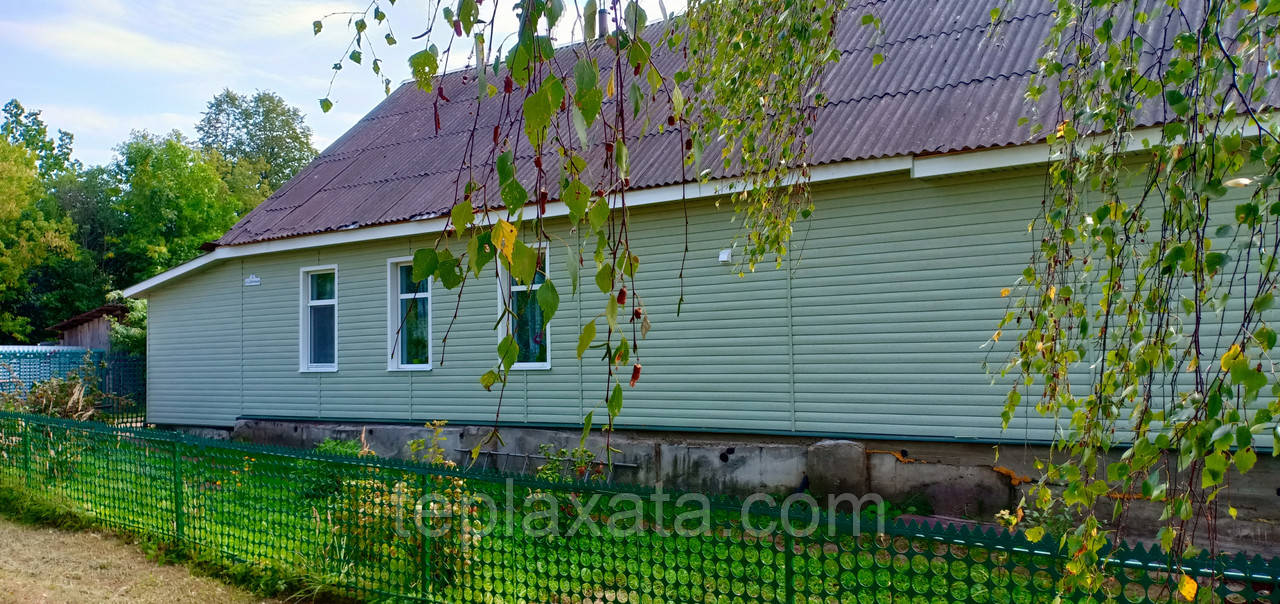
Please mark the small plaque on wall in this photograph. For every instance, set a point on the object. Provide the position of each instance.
(252, 280)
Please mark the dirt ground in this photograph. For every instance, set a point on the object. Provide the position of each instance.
(39, 565)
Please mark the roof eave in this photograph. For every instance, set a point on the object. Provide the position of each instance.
(923, 166)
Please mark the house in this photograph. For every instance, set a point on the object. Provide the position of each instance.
(875, 329)
(91, 329)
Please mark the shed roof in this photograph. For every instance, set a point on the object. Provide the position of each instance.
(112, 310)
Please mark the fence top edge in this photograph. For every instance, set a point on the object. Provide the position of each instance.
(985, 536)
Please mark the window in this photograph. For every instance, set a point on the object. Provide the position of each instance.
(408, 318)
(526, 325)
(318, 341)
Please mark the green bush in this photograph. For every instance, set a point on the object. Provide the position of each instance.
(322, 480)
(334, 446)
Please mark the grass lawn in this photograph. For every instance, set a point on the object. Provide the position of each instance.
(50, 565)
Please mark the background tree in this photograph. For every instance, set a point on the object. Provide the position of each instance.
(107, 227)
(259, 134)
(129, 333)
(27, 237)
(88, 199)
(172, 201)
(244, 178)
(26, 128)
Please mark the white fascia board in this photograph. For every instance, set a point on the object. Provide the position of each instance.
(643, 197)
(918, 167)
(1040, 153)
(175, 272)
(977, 161)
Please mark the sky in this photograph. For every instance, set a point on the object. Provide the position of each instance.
(103, 68)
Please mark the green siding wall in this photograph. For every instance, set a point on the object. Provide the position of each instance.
(873, 327)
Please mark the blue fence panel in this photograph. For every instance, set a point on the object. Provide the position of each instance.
(125, 375)
(120, 375)
(24, 366)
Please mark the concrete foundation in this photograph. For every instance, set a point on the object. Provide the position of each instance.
(958, 480)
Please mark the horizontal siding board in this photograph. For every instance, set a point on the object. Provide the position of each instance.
(879, 324)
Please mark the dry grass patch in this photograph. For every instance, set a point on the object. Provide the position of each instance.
(49, 565)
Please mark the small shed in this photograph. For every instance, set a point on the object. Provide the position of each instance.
(90, 330)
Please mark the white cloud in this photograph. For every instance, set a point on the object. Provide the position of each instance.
(85, 119)
(97, 132)
(96, 42)
(101, 68)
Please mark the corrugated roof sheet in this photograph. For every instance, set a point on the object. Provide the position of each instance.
(947, 84)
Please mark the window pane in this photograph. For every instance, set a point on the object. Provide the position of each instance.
(322, 286)
(528, 330)
(415, 334)
(407, 284)
(323, 337)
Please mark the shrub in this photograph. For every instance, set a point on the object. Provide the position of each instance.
(324, 479)
(76, 396)
(377, 520)
(334, 446)
(564, 464)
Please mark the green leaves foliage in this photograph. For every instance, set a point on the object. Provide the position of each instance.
(752, 90)
(540, 106)
(468, 14)
(508, 352)
(480, 251)
(548, 301)
(587, 96)
(513, 193)
(449, 271)
(524, 262)
(575, 196)
(586, 337)
(461, 215)
(615, 402)
(604, 278)
(762, 131)
(1138, 336)
(489, 378)
(634, 18)
(425, 264)
(589, 20)
(423, 66)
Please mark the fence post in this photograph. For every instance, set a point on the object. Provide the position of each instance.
(177, 494)
(26, 450)
(419, 526)
(789, 561)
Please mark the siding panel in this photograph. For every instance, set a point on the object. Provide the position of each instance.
(877, 325)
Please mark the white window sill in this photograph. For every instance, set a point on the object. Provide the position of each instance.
(531, 367)
(318, 370)
(410, 368)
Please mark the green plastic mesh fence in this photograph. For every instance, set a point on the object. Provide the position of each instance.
(387, 529)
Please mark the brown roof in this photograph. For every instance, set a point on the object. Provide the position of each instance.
(113, 310)
(947, 84)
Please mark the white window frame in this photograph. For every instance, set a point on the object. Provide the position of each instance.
(394, 297)
(304, 318)
(505, 289)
